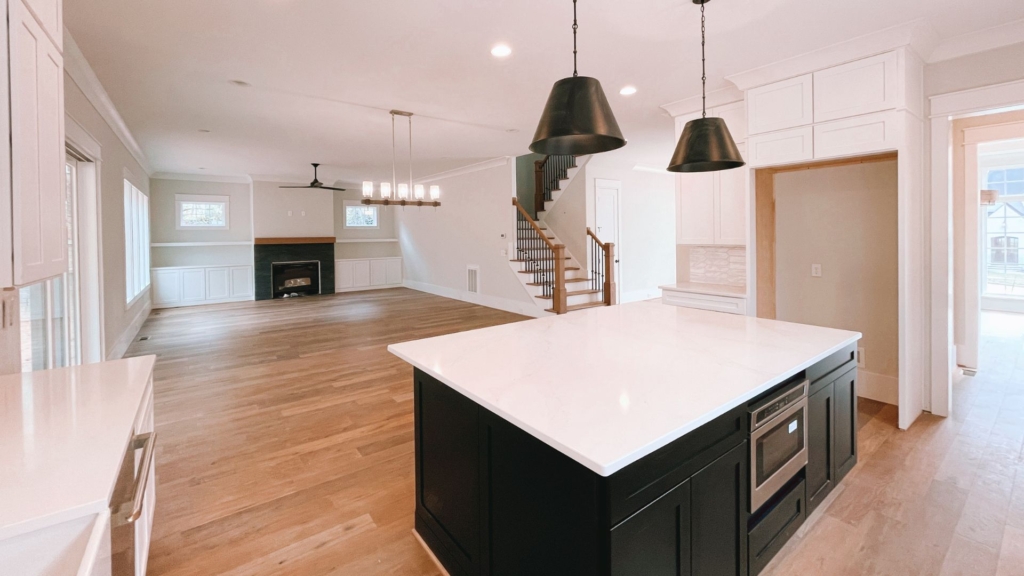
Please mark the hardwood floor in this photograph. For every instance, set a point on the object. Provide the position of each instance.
(285, 447)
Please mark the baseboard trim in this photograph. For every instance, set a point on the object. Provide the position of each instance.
(430, 552)
(878, 387)
(365, 288)
(498, 303)
(638, 295)
(203, 302)
(129, 334)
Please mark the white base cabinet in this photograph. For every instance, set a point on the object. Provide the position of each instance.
(195, 285)
(367, 274)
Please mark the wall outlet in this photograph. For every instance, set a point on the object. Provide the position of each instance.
(303, 212)
(860, 357)
(289, 212)
(816, 270)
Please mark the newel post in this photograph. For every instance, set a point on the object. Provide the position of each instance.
(558, 295)
(609, 274)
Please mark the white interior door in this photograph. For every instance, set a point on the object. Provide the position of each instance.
(607, 218)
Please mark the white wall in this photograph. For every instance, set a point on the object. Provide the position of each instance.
(473, 226)
(997, 66)
(311, 211)
(163, 220)
(120, 322)
(647, 224)
(568, 218)
(844, 218)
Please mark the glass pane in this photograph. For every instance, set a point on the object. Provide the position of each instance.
(361, 216)
(778, 446)
(58, 323)
(1015, 174)
(1003, 229)
(129, 244)
(33, 327)
(995, 176)
(1014, 188)
(201, 214)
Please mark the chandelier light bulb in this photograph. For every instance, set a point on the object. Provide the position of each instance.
(385, 190)
(367, 189)
(403, 191)
(435, 193)
(418, 191)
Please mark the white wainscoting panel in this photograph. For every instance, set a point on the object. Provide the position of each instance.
(367, 274)
(194, 285)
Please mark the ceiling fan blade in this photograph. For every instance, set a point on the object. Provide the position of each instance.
(295, 186)
(332, 188)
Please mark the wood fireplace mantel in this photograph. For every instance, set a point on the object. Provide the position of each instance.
(304, 240)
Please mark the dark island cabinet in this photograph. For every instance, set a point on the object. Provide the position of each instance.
(831, 431)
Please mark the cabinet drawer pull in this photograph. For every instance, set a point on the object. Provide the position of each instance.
(147, 442)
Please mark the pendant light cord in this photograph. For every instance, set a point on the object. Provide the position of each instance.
(575, 27)
(410, 154)
(394, 173)
(703, 69)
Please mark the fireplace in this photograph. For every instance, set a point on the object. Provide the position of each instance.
(292, 279)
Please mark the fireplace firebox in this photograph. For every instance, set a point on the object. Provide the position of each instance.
(292, 279)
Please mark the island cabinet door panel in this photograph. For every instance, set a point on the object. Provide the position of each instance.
(447, 474)
(820, 430)
(656, 540)
(718, 515)
(844, 446)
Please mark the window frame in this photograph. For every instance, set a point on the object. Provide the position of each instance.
(180, 199)
(354, 204)
(138, 277)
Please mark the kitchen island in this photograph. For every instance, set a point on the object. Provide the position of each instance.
(615, 441)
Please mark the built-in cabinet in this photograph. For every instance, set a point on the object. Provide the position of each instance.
(367, 273)
(34, 179)
(194, 285)
(831, 431)
(711, 207)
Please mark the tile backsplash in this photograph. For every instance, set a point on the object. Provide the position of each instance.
(718, 265)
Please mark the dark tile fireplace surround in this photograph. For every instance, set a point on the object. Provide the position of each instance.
(270, 251)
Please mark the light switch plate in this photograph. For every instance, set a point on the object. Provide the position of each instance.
(816, 270)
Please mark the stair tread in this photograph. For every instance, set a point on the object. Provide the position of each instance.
(579, 306)
(548, 259)
(576, 293)
(567, 280)
(535, 271)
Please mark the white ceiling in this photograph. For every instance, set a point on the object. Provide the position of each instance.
(324, 73)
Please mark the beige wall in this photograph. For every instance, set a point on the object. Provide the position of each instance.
(163, 211)
(568, 218)
(312, 211)
(844, 218)
(119, 321)
(364, 250)
(975, 70)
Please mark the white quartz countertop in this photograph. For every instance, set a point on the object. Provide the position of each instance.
(63, 434)
(710, 289)
(608, 386)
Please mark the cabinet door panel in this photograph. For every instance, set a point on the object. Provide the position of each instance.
(345, 274)
(853, 136)
(49, 13)
(718, 520)
(360, 273)
(656, 540)
(844, 446)
(695, 208)
(394, 271)
(241, 281)
(860, 87)
(731, 205)
(166, 287)
(781, 105)
(786, 147)
(735, 116)
(378, 272)
(193, 285)
(37, 150)
(218, 283)
(820, 479)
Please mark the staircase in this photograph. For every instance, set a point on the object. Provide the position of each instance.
(555, 279)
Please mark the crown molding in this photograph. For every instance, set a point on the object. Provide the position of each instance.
(486, 164)
(980, 41)
(78, 68)
(202, 178)
(726, 95)
(918, 35)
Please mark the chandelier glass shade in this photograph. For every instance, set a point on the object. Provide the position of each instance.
(400, 189)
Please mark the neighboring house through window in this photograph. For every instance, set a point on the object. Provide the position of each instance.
(358, 215)
(202, 212)
(1003, 227)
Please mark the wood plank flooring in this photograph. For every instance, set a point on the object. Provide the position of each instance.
(286, 447)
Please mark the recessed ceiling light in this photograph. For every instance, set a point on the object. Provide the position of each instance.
(628, 90)
(204, 130)
(241, 83)
(202, 167)
(501, 51)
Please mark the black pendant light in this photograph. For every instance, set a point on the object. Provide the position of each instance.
(706, 144)
(577, 119)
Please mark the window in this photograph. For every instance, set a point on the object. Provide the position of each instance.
(359, 215)
(1003, 227)
(1008, 181)
(136, 241)
(202, 212)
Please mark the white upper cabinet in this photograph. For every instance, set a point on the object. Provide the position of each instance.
(735, 116)
(6, 238)
(49, 13)
(731, 204)
(861, 87)
(783, 147)
(781, 105)
(37, 150)
(866, 134)
(695, 208)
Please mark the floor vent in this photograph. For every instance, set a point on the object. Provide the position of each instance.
(143, 339)
(473, 279)
(969, 372)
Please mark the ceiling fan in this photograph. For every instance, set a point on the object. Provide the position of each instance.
(316, 184)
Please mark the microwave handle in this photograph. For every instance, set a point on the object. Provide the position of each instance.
(147, 442)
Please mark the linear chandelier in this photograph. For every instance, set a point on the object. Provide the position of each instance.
(401, 189)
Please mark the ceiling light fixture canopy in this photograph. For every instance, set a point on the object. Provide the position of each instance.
(577, 119)
(402, 189)
(706, 144)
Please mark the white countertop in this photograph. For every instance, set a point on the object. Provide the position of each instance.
(608, 386)
(63, 434)
(710, 289)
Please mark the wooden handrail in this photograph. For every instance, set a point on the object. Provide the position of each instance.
(594, 236)
(609, 267)
(551, 245)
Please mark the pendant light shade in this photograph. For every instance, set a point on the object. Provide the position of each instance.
(577, 120)
(705, 146)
